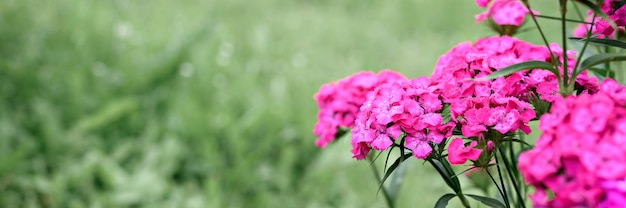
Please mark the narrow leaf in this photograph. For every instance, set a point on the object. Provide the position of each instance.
(491, 202)
(602, 42)
(603, 73)
(452, 182)
(396, 181)
(517, 140)
(393, 167)
(376, 158)
(388, 155)
(443, 200)
(600, 59)
(520, 67)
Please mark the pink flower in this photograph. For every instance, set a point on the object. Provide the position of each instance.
(601, 28)
(482, 3)
(458, 153)
(411, 107)
(619, 16)
(339, 102)
(503, 12)
(580, 156)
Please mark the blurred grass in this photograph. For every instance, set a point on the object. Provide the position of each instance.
(201, 103)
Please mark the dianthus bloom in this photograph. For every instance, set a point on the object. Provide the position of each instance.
(409, 107)
(458, 153)
(601, 28)
(581, 154)
(503, 12)
(339, 102)
(500, 104)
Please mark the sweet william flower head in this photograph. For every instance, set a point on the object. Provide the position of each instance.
(339, 102)
(507, 15)
(581, 154)
(601, 28)
(500, 104)
(410, 108)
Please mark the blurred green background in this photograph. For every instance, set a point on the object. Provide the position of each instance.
(122, 103)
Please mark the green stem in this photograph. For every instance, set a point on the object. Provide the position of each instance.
(543, 36)
(524, 187)
(566, 83)
(388, 199)
(557, 18)
(463, 199)
(496, 184)
(505, 196)
(582, 52)
(446, 174)
(513, 178)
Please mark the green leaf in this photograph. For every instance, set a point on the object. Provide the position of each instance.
(603, 73)
(388, 155)
(445, 113)
(396, 181)
(522, 66)
(517, 140)
(452, 182)
(602, 42)
(597, 11)
(599, 59)
(393, 167)
(491, 202)
(443, 200)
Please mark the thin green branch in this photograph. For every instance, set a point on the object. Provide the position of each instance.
(495, 183)
(388, 200)
(505, 196)
(543, 36)
(446, 174)
(582, 52)
(564, 39)
(558, 18)
(520, 199)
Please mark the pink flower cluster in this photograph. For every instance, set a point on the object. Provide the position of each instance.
(503, 12)
(500, 104)
(411, 107)
(601, 28)
(339, 102)
(476, 107)
(581, 154)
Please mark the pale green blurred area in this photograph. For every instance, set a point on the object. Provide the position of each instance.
(160, 103)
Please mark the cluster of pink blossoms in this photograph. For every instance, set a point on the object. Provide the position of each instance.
(601, 28)
(411, 107)
(476, 107)
(339, 102)
(500, 104)
(581, 154)
(503, 12)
